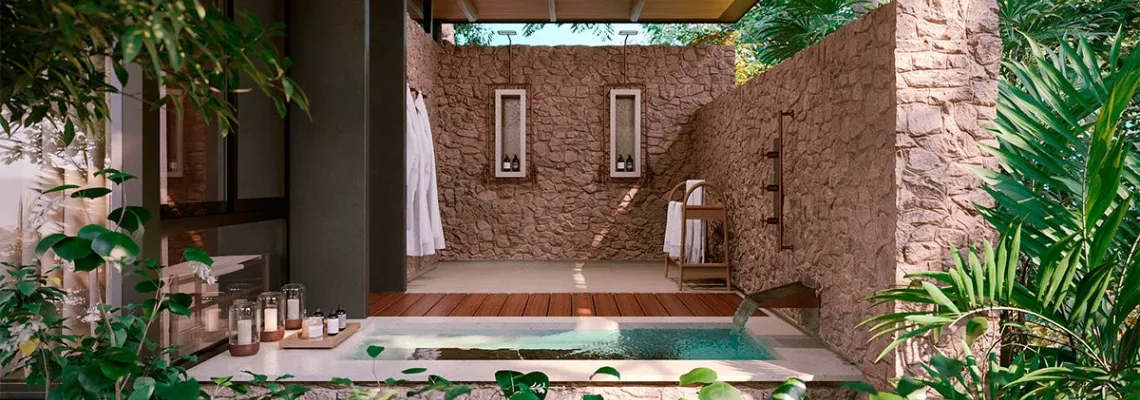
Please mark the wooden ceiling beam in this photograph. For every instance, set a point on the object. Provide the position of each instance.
(553, 13)
(736, 9)
(635, 10)
(416, 8)
(468, 10)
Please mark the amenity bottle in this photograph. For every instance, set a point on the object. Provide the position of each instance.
(515, 163)
(620, 164)
(506, 163)
(629, 163)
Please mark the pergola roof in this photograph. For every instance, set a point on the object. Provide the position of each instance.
(582, 10)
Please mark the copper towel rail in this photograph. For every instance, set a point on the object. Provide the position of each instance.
(777, 156)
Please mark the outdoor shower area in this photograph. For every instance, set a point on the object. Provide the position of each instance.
(553, 167)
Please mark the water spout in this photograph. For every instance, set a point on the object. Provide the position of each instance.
(743, 312)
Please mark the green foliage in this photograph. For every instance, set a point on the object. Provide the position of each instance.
(57, 53)
(1066, 266)
(1050, 22)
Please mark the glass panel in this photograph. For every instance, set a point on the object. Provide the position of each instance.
(260, 130)
(248, 260)
(194, 156)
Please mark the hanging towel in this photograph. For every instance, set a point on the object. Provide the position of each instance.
(695, 229)
(435, 221)
(673, 230)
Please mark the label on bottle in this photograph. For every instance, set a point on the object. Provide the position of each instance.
(332, 325)
(314, 332)
(620, 165)
(506, 165)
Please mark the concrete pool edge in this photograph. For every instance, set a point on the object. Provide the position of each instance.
(816, 364)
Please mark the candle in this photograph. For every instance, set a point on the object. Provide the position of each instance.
(212, 315)
(293, 309)
(245, 332)
(271, 320)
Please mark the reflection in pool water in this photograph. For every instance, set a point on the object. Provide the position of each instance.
(718, 343)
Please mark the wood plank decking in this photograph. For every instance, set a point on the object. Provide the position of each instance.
(554, 304)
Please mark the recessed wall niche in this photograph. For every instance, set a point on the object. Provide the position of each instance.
(625, 133)
(510, 133)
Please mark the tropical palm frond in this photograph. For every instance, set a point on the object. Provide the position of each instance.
(1065, 201)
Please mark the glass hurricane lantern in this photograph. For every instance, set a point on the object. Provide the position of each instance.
(272, 316)
(294, 305)
(244, 338)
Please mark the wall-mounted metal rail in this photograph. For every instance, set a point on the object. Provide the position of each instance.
(777, 156)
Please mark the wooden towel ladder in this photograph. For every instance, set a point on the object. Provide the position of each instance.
(709, 211)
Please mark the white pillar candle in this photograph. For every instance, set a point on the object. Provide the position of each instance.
(293, 309)
(271, 320)
(212, 315)
(244, 332)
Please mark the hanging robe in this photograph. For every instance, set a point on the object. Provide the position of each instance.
(436, 222)
(412, 152)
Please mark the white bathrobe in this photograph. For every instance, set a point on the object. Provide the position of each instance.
(412, 178)
(436, 228)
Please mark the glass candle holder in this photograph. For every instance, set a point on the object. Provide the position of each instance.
(272, 316)
(294, 305)
(244, 338)
(313, 328)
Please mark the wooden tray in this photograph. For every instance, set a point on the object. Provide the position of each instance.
(294, 341)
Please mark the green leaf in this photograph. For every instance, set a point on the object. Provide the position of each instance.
(342, 381)
(606, 370)
(68, 133)
(592, 397)
(975, 328)
(185, 390)
(26, 287)
(116, 247)
(88, 263)
(90, 193)
(144, 387)
(524, 396)
(48, 242)
(193, 254)
(130, 218)
(699, 375)
(719, 391)
(90, 232)
(939, 297)
(72, 248)
(862, 387)
(374, 351)
(412, 371)
(60, 188)
(130, 44)
(791, 389)
(148, 286)
(456, 391)
(176, 308)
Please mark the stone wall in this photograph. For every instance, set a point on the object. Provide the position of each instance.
(888, 114)
(422, 65)
(839, 162)
(568, 208)
(947, 58)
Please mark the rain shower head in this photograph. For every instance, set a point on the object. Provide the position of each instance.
(507, 33)
(628, 32)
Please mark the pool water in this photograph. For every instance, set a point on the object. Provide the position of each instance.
(712, 343)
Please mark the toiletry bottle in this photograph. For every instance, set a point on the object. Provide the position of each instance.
(629, 162)
(515, 163)
(620, 164)
(319, 313)
(342, 317)
(332, 324)
(506, 163)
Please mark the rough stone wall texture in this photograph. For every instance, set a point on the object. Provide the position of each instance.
(947, 58)
(839, 163)
(568, 209)
(422, 63)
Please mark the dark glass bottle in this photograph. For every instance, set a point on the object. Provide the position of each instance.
(515, 163)
(620, 163)
(342, 315)
(319, 313)
(506, 163)
(629, 163)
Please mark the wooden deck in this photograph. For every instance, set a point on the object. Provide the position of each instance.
(553, 305)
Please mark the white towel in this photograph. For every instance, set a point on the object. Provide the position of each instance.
(695, 229)
(673, 230)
